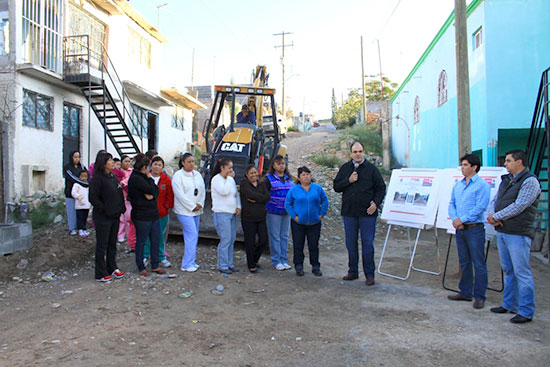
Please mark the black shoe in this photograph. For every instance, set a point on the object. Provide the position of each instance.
(225, 271)
(518, 319)
(458, 297)
(258, 266)
(300, 272)
(317, 272)
(233, 269)
(500, 309)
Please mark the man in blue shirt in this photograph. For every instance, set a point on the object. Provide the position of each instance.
(246, 116)
(469, 201)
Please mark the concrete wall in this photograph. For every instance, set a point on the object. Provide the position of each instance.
(504, 75)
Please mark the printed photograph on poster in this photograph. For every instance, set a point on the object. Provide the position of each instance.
(412, 196)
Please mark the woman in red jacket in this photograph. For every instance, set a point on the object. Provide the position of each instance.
(165, 202)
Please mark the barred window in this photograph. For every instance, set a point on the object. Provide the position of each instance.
(37, 110)
(442, 88)
(177, 118)
(416, 110)
(139, 123)
(139, 49)
(81, 22)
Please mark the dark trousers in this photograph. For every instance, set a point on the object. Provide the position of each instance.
(367, 226)
(299, 234)
(470, 243)
(106, 237)
(81, 218)
(254, 249)
(147, 230)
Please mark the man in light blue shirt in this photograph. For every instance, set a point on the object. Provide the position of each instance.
(469, 201)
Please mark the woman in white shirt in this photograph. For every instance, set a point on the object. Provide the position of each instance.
(226, 206)
(189, 194)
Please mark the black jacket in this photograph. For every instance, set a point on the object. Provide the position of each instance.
(142, 209)
(253, 212)
(357, 196)
(106, 196)
(71, 174)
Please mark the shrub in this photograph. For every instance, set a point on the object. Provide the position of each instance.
(368, 136)
(292, 130)
(327, 160)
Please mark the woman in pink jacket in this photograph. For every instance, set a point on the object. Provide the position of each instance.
(123, 174)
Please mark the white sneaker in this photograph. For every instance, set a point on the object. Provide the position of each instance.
(190, 269)
(280, 267)
(145, 262)
(165, 264)
(73, 232)
(81, 233)
(121, 240)
(87, 233)
(287, 267)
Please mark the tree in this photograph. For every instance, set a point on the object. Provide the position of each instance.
(347, 114)
(334, 107)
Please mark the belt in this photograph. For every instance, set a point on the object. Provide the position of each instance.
(466, 226)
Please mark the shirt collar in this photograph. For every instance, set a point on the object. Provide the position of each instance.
(474, 178)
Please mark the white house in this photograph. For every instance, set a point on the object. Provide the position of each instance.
(52, 52)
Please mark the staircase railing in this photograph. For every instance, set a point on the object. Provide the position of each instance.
(80, 59)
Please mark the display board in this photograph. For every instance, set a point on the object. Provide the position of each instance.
(449, 177)
(412, 196)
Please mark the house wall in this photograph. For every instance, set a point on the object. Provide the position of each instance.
(504, 76)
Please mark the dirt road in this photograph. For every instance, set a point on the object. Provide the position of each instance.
(266, 319)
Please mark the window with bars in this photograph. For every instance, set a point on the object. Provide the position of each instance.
(139, 49)
(37, 110)
(416, 110)
(71, 120)
(139, 120)
(442, 88)
(178, 118)
(42, 27)
(83, 23)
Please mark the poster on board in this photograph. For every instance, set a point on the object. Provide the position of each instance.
(449, 177)
(412, 196)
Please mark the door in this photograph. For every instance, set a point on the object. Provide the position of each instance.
(71, 130)
(152, 131)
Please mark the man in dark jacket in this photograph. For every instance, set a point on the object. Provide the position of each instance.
(512, 212)
(363, 191)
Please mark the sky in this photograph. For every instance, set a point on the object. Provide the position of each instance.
(229, 38)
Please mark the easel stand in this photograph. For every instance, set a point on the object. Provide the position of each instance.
(486, 255)
(412, 250)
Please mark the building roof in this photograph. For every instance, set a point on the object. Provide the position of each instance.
(124, 7)
(182, 98)
(469, 9)
(204, 92)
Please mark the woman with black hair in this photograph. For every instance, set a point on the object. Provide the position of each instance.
(71, 172)
(108, 201)
(189, 195)
(254, 195)
(143, 194)
(279, 182)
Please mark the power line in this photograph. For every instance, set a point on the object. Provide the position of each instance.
(388, 20)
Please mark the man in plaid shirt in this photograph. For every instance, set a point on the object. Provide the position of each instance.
(512, 212)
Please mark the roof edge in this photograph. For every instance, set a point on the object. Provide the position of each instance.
(469, 9)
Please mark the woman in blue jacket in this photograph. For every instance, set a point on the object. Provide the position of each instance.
(306, 204)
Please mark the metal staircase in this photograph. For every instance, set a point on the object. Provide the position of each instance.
(538, 149)
(95, 75)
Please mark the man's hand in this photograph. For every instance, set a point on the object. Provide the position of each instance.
(238, 212)
(149, 197)
(457, 223)
(197, 208)
(296, 219)
(372, 208)
(354, 177)
(492, 220)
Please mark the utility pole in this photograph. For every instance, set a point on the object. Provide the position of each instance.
(462, 80)
(283, 45)
(193, 70)
(381, 75)
(363, 84)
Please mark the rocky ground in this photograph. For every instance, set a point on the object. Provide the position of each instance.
(266, 319)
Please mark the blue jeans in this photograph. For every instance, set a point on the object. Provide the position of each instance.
(299, 234)
(190, 229)
(519, 286)
(470, 244)
(367, 226)
(226, 227)
(71, 213)
(278, 227)
(147, 230)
